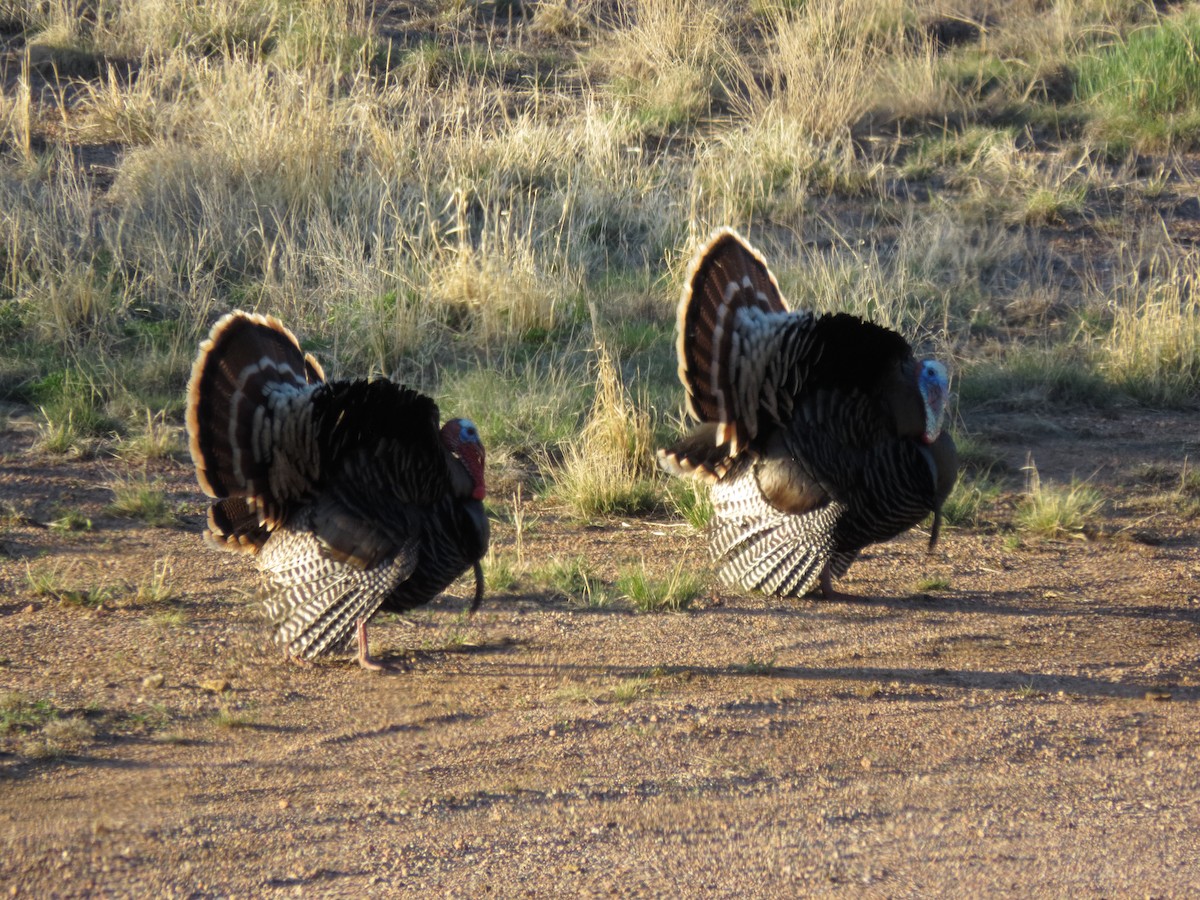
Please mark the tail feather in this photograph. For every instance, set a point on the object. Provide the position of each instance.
(234, 524)
(698, 454)
(727, 276)
(246, 360)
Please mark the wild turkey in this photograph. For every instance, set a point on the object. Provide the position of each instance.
(819, 435)
(350, 496)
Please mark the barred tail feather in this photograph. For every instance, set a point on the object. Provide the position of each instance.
(697, 454)
(244, 359)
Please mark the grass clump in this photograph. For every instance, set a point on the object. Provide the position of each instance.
(667, 57)
(1152, 349)
(71, 520)
(56, 583)
(144, 500)
(689, 498)
(72, 408)
(158, 587)
(631, 689)
(59, 737)
(228, 719)
(969, 501)
(1145, 89)
(1051, 511)
(932, 583)
(499, 572)
(157, 440)
(648, 594)
(574, 580)
(755, 666)
(39, 727)
(609, 468)
(19, 712)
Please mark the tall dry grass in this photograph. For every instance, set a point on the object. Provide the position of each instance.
(1152, 349)
(434, 208)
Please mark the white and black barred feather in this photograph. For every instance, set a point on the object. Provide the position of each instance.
(810, 431)
(348, 493)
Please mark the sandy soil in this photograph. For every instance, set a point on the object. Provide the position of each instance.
(1029, 728)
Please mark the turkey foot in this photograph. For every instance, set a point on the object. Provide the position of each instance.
(364, 654)
(830, 592)
(364, 657)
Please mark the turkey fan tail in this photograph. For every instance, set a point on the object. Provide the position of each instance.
(231, 422)
(315, 603)
(727, 276)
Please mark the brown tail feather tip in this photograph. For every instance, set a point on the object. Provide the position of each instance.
(675, 464)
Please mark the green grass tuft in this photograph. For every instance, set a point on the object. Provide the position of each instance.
(690, 499)
(144, 500)
(574, 580)
(1145, 89)
(19, 712)
(1055, 510)
(649, 594)
(970, 500)
(57, 583)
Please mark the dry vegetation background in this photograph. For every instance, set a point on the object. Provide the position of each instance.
(495, 200)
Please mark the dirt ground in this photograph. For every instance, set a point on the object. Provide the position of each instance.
(1027, 726)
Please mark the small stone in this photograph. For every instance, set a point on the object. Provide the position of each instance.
(31, 608)
(153, 681)
(215, 685)
(865, 762)
(284, 803)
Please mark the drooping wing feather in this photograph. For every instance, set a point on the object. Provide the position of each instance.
(761, 548)
(313, 601)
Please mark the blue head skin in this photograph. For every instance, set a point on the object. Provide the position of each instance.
(934, 384)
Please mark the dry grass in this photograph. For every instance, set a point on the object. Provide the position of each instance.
(609, 468)
(1153, 346)
(467, 212)
(668, 57)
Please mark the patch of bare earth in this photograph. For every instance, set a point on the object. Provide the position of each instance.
(1030, 728)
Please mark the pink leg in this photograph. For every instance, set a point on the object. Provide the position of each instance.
(364, 656)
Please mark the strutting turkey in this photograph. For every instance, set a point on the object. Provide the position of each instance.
(819, 434)
(347, 492)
